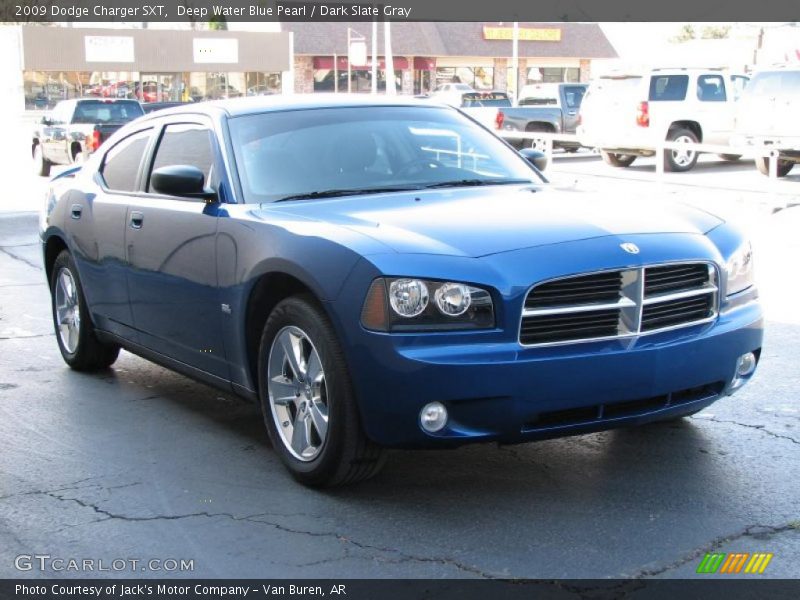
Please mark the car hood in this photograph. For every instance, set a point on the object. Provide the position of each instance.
(478, 222)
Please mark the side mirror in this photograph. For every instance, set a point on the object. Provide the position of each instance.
(185, 181)
(536, 157)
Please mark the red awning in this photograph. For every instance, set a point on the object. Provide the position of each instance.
(326, 62)
(424, 64)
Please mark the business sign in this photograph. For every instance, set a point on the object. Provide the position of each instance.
(109, 48)
(526, 34)
(358, 53)
(216, 50)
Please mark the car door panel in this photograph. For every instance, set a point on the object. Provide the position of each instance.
(170, 249)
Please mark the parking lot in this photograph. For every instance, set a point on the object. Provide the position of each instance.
(142, 463)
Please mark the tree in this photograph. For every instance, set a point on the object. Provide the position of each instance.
(217, 23)
(685, 34)
(716, 33)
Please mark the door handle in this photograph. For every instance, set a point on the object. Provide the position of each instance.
(137, 219)
(75, 211)
(572, 113)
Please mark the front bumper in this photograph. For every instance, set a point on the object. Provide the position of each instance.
(507, 393)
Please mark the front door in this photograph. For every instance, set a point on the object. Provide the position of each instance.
(171, 251)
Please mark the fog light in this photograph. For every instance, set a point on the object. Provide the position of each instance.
(745, 365)
(433, 417)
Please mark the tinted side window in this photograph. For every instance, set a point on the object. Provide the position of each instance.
(668, 87)
(573, 96)
(186, 144)
(711, 88)
(121, 163)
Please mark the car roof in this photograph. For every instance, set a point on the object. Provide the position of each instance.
(236, 107)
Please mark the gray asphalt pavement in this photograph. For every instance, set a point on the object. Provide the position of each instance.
(141, 463)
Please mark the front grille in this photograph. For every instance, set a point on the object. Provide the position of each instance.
(598, 287)
(675, 312)
(586, 415)
(671, 278)
(619, 303)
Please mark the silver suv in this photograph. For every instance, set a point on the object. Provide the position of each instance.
(767, 114)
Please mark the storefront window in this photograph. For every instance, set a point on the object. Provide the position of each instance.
(479, 78)
(361, 80)
(44, 89)
(553, 75)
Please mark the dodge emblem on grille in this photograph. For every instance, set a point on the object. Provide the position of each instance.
(630, 248)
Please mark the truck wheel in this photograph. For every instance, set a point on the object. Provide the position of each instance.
(784, 166)
(75, 331)
(679, 161)
(730, 157)
(617, 160)
(40, 164)
(307, 399)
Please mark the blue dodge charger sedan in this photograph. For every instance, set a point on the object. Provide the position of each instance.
(388, 273)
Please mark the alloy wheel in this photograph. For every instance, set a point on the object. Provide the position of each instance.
(298, 395)
(683, 157)
(68, 311)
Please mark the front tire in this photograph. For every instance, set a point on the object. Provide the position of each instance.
(680, 161)
(307, 399)
(75, 332)
(784, 166)
(617, 160)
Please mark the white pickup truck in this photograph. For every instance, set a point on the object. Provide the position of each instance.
(626, 116)
(767, 114)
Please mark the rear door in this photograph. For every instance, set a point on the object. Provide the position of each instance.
(170, 244)
(571, 99)
(715, 108)
(97, 225)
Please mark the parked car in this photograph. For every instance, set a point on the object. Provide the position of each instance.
(76, 128)
(223, 91)
(313, 254)
(767, 114)
(451, 93)
(626, 116)
(544, 108)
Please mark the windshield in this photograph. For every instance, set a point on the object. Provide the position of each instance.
(342, 151)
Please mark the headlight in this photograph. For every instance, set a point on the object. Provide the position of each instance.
(740, 269)
(404, 304)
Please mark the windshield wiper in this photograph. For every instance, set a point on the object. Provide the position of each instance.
(333, 193)
(476, 182)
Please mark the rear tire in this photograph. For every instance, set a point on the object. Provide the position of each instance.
(680, 161)
(784, 166)
(341, 453)
(40, 164)
(536, 144)
(75, 332)
(617, 160)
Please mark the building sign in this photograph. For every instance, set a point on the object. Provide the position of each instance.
(358, 53)
(109, 48)
(216, 50)
(526, 34)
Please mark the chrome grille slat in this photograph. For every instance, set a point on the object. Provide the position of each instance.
(619, 303)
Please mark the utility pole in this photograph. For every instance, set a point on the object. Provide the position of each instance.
(515, 61)
(374, 68)
(387, 34)
(349, 67)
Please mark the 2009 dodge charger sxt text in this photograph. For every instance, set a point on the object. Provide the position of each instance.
(387, 273)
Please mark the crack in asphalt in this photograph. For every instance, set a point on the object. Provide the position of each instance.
(761, 428)
(257, 518)
(13, 256)
(755, 531)
(26, 337)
